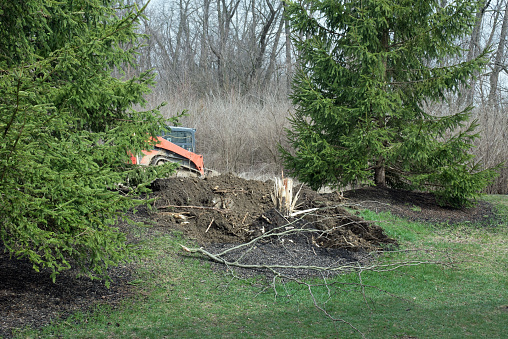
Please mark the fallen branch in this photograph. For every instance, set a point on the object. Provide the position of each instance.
(243, 220)
(275, 269)
(195, 207)
(211, 222)
(243, 256)
(297, 213)
(342, 268)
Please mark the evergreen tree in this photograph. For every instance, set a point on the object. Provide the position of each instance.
(66, 129)
(366, 70)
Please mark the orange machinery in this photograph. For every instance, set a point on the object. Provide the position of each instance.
(176, 146)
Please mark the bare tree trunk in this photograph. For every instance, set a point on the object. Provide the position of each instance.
(224, 16)
(289, 63)
(263, 40)
(203, 46)
(498, 62)
(380, 168)
(474, 50)
(273, 55)
(380, 174)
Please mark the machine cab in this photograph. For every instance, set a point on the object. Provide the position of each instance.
(182, 136)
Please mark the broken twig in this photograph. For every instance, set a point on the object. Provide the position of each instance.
(211, 222)
(195, 207)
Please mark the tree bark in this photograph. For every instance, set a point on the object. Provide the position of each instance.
(380, 174)
(271, 65)
(494, 76)
(379, 170)
(289, 63)
(474, 51)
(263, 40)
(225, 14)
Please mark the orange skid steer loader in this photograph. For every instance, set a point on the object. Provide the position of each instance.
(176, 146)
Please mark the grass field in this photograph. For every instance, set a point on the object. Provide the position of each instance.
(181, 297)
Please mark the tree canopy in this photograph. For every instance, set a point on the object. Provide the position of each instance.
(366, 71)
(67, 126)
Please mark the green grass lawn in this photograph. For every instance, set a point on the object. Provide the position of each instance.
(181, 297)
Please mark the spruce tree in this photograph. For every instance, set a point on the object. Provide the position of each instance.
(366, 70)
(67, 127)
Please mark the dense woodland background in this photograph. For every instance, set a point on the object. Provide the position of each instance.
(230, 62)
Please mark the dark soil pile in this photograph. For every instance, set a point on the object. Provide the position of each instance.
(228, 209)
(221, 212)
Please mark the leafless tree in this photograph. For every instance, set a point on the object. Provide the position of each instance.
(499, 60)
(216, 46)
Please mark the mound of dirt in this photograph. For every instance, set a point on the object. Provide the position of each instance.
(229, 209)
